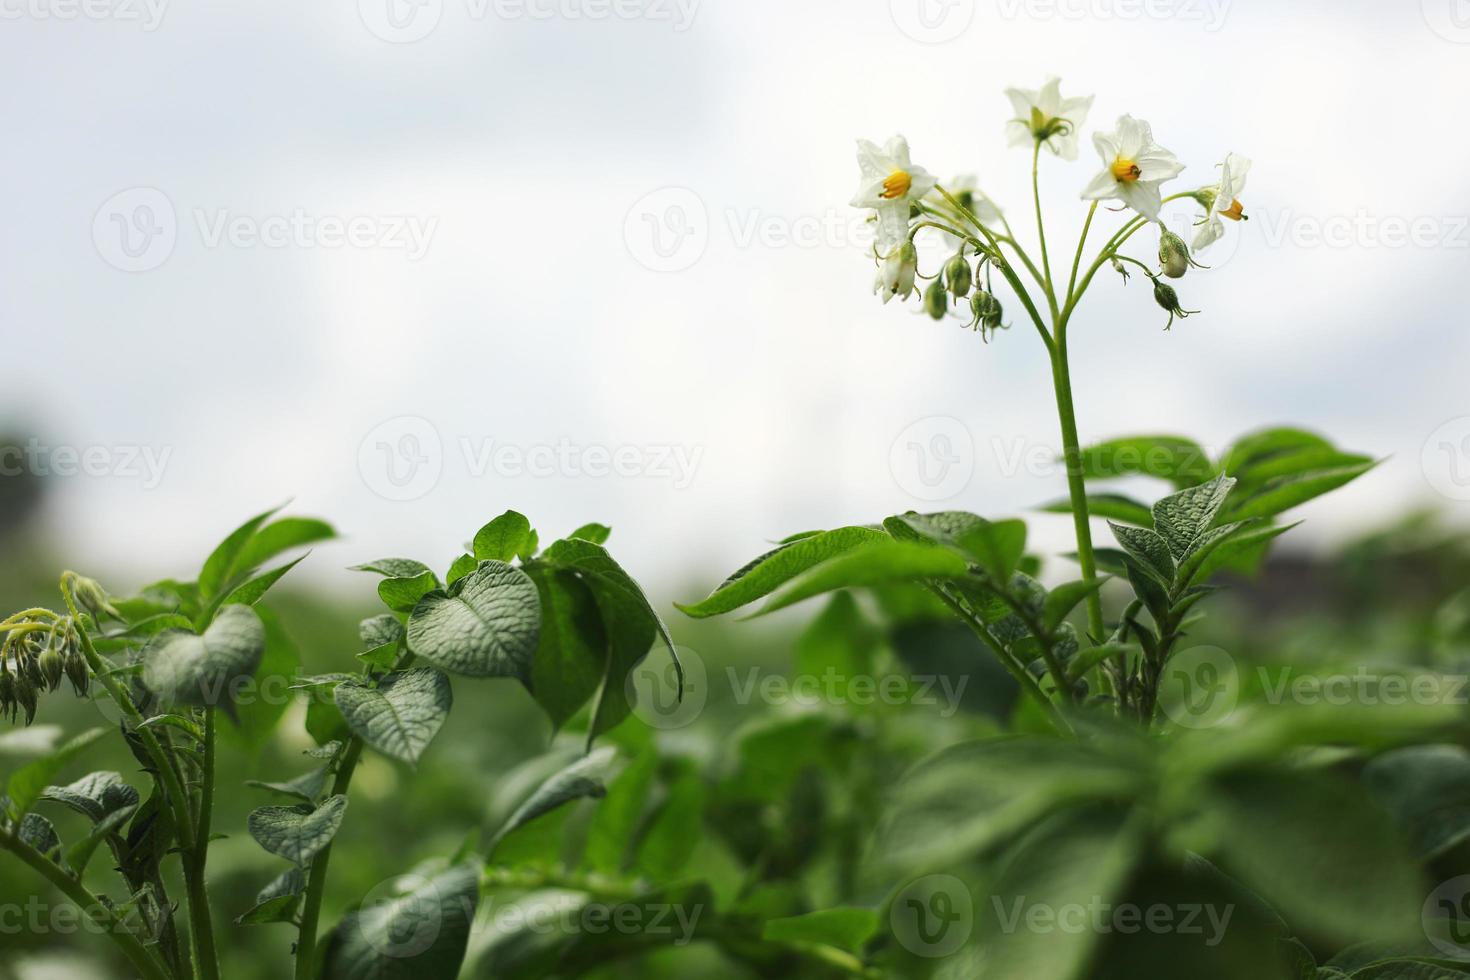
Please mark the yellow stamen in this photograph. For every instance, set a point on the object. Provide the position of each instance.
(1236, 211)
(896, 185)
(1126, 171)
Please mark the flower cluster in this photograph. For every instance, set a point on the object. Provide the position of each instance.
(40, 649)
(905, 199)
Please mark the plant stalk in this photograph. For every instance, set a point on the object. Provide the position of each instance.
(316, 882)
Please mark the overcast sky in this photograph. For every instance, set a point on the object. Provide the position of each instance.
(414, 264)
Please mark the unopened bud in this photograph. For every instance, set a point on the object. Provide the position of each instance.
(1167, 298)
(936, 300)
(957, 274)
(7, 692)
(93, 598)
(1174, 255)
(51, 666)
(25, 697)
(76, 668)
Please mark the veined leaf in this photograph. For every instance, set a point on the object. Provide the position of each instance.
(401, 716)
(778, 567)
(1148, 549)
(277, 901)
(571, 650)
(420, 932)
(95, 796)
(504, 538)
(27, 783)
(876, 563)
(588, 776)
(297, 833)
(484, 625)
(200, 669)
(1187, 516)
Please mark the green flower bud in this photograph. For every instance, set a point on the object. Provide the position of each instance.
(1167, 298)
(957, 274)
(936, 300)
(25, 697)
(51, 667)
(7, 693)
(1121, 270)
(1174, 255)
(76, 668)
(93, 598)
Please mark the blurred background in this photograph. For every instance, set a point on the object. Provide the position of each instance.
(410, 263)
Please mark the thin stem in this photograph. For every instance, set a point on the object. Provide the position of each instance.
(1076, 481)
(1081, 245)
(144, 960)
(201, 925)
(316, 882)
(1051, 293)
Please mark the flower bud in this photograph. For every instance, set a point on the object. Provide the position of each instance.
(25, 697)
(1121, 269)
(897, 271)
(51, 667)
(957, 274)
(1174, 255)
(93, 598)
(76, 668)
(7, 692)
(1167, 298)
(936, 300)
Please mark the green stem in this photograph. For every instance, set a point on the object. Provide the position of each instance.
(1051, 293)
(1081, 245)
(201, 925)
(1076, 481)
(149, 967)
(316, 882)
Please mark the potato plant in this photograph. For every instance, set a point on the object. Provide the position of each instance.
(1100, 797)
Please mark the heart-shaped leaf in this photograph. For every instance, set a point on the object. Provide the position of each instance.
(419, 931)
(277, 901)
(297, 833)
(484, 625)
(401, 715)
(95, 796)
(199, 669)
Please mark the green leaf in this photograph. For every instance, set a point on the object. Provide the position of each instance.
(403, 594)
(615, 824)
(1092, 656)
(845, 928)
(277, 901)
(877, 562)
(1318, 852)
(297, 833)
(1184, 518)
(1238, 544)
(1427, 790)
(401, 716)
(381, 630)
(40, 833)
(257, 716)
(27, 783)
(1064, 598)
(484, 625)
(1206, 545)
(394, 568)
(840, 643)
(279, 537)
(571, 651)
(997, 546)
(306, 787)
(586, 777)
(1178, 460)
(420, 932)
(1279, 496)
(674, 832)
(224, 563)
(1082, 858)
(460, 567)
(596, 533)
(1112, 506)
(200, 669)
(629, 623)
(1148, 550)
(1258, 446)
(253, 590)
(503, 538)
(775, 568)
(96, 796)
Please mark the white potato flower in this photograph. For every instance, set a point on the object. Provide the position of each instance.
(1223, 201)
(1043, 116)
(890, 185)
(1133, 168)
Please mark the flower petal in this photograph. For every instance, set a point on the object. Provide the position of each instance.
(1143, 197)
(1103, 187)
